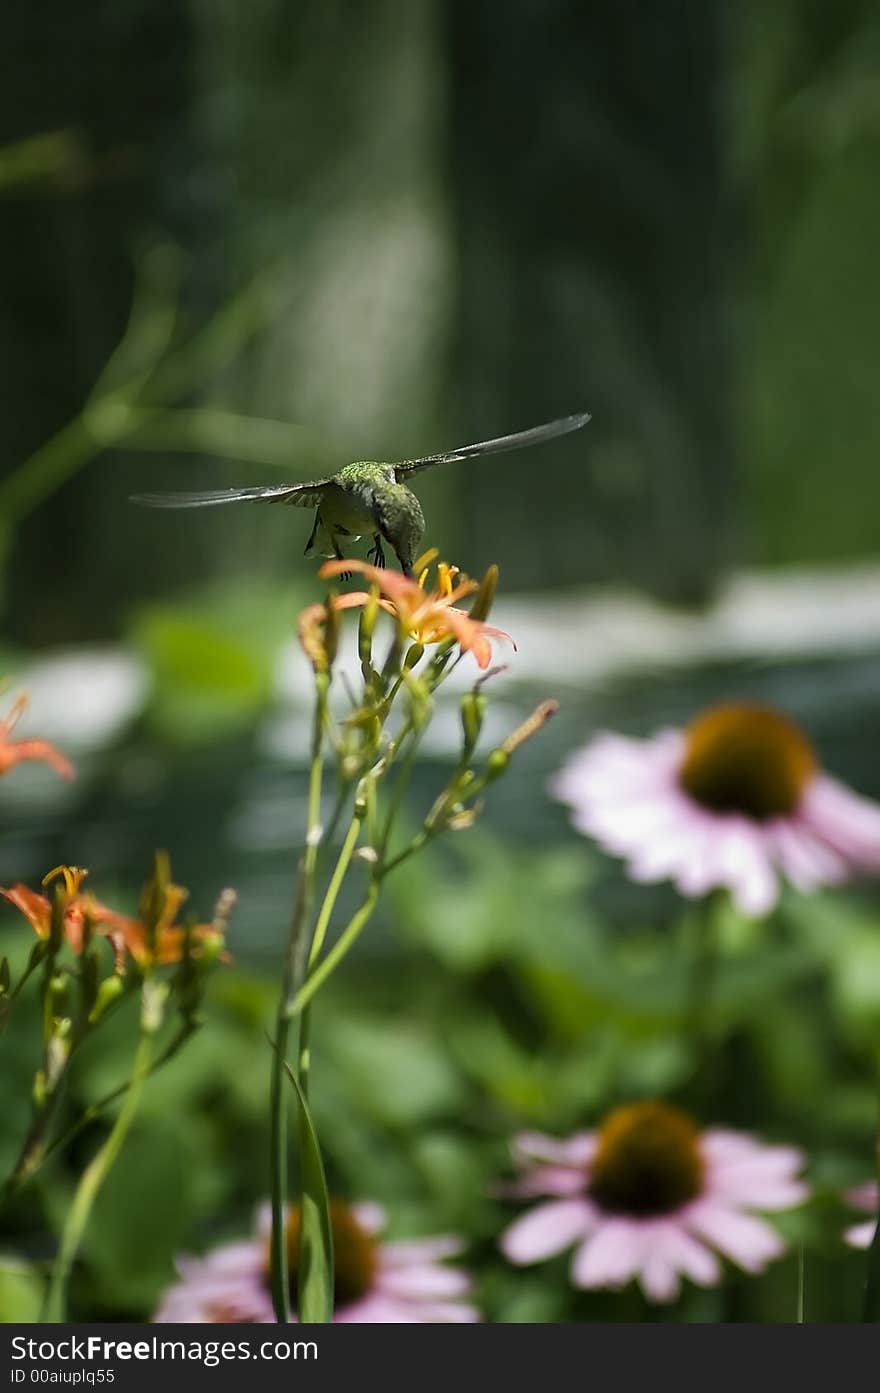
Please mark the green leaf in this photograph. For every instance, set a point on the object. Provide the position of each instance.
(315, 1267)
(21, 1291)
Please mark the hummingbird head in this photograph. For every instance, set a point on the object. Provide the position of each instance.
(402, 522)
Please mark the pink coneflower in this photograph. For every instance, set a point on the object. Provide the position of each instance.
(866, 1197)
(375, 1283)
(649, 1196)
(733, 801)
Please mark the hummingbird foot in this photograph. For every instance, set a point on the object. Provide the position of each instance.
(376, 554)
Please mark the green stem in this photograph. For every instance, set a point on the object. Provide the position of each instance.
(400, 787)
(33, 1149)
(219, 341)
(346, 940)
(94, 1110)
(329, 904)
(415, 845)
(317, 944)
(46, 470)
(93, 1178)
(333, 820)
(293, 971)
(31, 968)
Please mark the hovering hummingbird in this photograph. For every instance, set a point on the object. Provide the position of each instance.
(367, 496)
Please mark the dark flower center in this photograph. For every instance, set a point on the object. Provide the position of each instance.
(648, 1160)
(354, 1254)
(746, 759)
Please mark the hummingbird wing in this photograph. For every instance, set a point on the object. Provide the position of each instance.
(298, 495)
(518, 441)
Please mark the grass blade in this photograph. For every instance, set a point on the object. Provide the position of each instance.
(315, 1266)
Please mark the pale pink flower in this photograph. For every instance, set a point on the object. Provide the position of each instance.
(650, 1197)
(376, 1283)
(866, 1197)
(735, 801)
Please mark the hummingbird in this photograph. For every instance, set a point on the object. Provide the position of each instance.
(365, 497)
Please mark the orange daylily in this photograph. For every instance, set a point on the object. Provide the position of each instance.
(169, 938)
(12, 752)
(428, 616)
(83, 915)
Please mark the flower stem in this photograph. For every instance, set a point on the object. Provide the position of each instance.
(93, 1178)
(400, 787)
(294, 965)
(409, 850)
(95, 1109)
(323, 921)
(329, 903)
(346, 940)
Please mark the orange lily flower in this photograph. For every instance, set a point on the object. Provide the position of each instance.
(83, 915)
(169, 938)
(12, 752)
(428, 616)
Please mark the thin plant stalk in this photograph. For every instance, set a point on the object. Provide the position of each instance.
(321, 925)
(346, 940)
(94, 1110)
(294, 963)
(93, 1178)
(36, 1148)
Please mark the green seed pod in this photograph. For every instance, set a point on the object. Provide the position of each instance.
(496, 765)
(109, 991)
(473, 710)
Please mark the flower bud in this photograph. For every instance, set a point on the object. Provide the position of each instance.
(362, 799)
(496, 765)
(539, 718)
(152, 1006)
(366, 629)
(419, 700)
(56, 996)
(473, 709)
(318, 631)
(109, 991)
(462, 818)
(485, 596)
(58, 1049)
